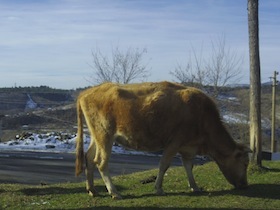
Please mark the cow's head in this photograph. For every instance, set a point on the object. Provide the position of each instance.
(235, 167)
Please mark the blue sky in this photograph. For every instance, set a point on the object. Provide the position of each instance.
(49, 42)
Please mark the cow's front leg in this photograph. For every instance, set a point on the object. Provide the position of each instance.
(164, 164)
(188, 165)
(159, 180)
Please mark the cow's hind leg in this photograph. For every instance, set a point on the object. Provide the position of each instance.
(90, 166)
(188, 165)
(164, 164)
(103, 153)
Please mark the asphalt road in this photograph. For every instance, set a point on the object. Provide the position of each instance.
(47, 168)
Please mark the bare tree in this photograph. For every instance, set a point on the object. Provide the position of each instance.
(122, 67)
(255, 83)
(222, 67)
(194, 73)
(103, 70)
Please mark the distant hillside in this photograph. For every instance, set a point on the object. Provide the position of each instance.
(36, 108)
(18, 99)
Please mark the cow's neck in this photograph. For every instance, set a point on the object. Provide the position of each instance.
(221, 144)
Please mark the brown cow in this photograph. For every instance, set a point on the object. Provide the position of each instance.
(151, 117)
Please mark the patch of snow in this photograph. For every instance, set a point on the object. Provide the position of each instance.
(227, 98)
(30, 104)
(56, 142)
(235, 118)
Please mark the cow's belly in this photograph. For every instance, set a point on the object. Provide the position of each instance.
(137, 142)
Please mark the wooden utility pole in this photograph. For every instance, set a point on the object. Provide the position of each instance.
(255, 83)
(273, 140)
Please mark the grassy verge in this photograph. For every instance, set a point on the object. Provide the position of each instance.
(263, 193)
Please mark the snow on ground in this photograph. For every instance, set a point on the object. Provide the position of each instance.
(235, 118)
(55, 142)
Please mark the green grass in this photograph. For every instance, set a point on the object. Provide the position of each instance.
(263, 193)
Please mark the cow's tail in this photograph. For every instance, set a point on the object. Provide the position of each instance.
(79, 141)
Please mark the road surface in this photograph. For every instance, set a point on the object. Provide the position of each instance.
(47, 168)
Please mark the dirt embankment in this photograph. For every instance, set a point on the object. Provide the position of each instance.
(35, 111)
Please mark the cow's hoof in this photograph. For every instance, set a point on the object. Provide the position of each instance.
(116, 196)
(160, 192)
(92, 193)
(197, 189)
